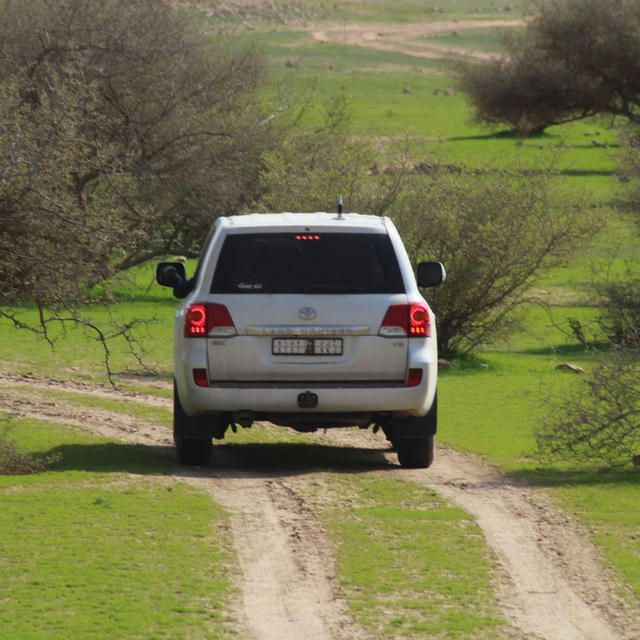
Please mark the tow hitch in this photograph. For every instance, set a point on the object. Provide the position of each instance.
(307, 400)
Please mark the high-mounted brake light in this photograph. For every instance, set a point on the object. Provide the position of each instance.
(208, 319)
(307, 236)
(410, 320)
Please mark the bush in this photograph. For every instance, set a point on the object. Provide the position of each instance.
(597, 420)
(315, 167)
(495, 232)
(620, 317)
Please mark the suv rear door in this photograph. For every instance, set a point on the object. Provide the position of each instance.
(307, 307)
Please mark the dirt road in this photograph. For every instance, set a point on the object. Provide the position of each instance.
(415, 40)
(551, 584)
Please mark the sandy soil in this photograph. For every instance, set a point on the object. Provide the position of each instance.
(410, 39)
(551, 584)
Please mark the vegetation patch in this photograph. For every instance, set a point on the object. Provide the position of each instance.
(89, 556)
(411, 564)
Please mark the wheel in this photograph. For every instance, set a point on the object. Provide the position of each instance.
(193, 451)
(189, 450)
(415, 453)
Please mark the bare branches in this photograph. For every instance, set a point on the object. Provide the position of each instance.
(125, 134)
(597, 420)
(495, 232)
(101, 334)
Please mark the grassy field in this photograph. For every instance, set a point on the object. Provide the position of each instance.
(102, 546)
(390, 541)
(96, 504)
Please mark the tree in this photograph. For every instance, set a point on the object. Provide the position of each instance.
(125, 132)
(575, 58)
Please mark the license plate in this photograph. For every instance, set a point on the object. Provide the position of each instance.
(306, 346)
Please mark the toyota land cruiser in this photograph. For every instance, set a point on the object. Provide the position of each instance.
(307, 321)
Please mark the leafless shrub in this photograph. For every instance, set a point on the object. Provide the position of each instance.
(495, 232)
(597, 419)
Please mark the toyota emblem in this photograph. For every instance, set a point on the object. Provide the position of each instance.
(307, 313)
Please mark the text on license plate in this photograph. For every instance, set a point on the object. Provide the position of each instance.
(306, 346)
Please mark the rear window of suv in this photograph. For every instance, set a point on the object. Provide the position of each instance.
(307, 263)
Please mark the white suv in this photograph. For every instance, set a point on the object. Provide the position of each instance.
(307, 320)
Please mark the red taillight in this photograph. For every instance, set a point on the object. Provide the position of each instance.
(419, 320)
(406, 320)
(200, 377)
(415, 377)
(208, 319)
(195, 322)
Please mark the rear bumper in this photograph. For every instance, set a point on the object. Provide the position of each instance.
(264, 398)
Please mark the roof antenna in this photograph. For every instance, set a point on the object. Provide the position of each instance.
(340, 208)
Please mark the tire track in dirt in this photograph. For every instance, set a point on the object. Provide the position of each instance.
(289, 587)
(555, 587)
(551, 583)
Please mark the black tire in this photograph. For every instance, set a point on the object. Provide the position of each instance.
(189, 451)
(415, 453)
(193, 451)
(390, 436)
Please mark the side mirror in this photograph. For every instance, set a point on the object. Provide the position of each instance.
(431, 274)
(169, 274)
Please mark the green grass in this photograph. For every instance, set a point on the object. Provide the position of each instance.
(81, 456)
(89, 552)
(412, 565)
(410, 549)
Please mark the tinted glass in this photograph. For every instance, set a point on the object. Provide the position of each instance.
(307, 263)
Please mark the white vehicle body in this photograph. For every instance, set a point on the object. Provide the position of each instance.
(258, 339)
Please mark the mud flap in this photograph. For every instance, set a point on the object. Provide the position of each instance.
(207, 426)
(417, 427)
(211, 425)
